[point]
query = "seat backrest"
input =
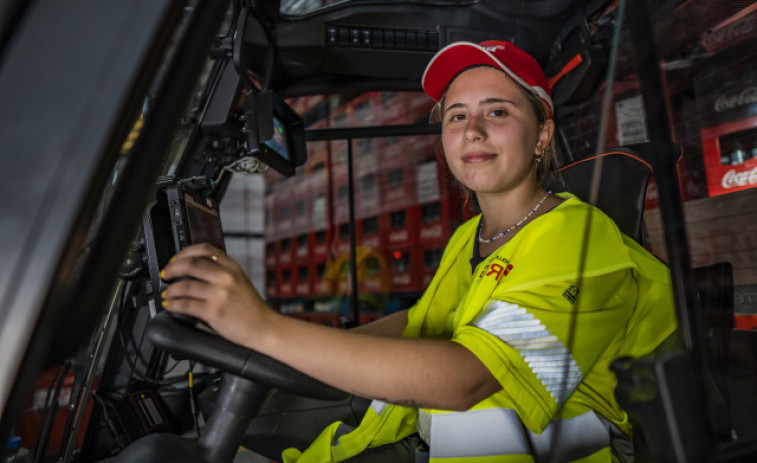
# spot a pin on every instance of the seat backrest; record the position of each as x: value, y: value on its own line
x: 622, y: 187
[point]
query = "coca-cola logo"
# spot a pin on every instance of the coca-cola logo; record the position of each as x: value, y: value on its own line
x: 734, y: 31
x: 734, y: 179
x: 746, y: 97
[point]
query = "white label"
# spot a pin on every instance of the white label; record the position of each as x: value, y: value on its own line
x: 632, y: 124
x: 428, y: 182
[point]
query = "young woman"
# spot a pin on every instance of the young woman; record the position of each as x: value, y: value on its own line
x: 516, y: 332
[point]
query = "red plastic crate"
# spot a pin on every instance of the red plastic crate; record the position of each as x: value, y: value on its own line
x: 369, y: 233
x: 320, y: 243
x: 302, y: 247
x: 400, y: 227
x: 368, y: 198
x: 439, y: 219
x: 285, y: 251
x: 367, y: 155
x: 286, y: 280
x: 307, y: 103
x: 302, y: 205
x: 338, y: 160
x: 269, y: 208
x: 271, y: 254
x: 340, y: 245
x: 362, y: 111
x: 321, y: 281
x: 392, y: 149
x: 339, y: 115
x: 319, y: 209
x: 417, y: 105
x: 302, y: 283
x: 431, y: 254
x: 283, y: 215
x: 389, y: 108
x: 397, y: 183
x: 404, y: 264
x: 272, y: 283
x: 340, y: 200
x: 745, y: 321
x: 374, y: 271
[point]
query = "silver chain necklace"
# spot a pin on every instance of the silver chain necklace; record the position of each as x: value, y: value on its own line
x: 512, y: 227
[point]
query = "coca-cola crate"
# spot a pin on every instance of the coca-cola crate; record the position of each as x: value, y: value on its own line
x: 400, y: 227
x: 307, y: 103
x: 439, y: 219
x: 321, y: 279
x: 397, y: 184
x: 362, y: 111
x: 285, y: 250
x: 389, y: 108
x: 745, y: 321
x: 368, y: 199
x: 367, y: 155
x: 271, y: 253
x: 283, y: 215
x: 286, y: 280
x: 417, y: 106
x: 271, y: 283
x: 302, y: 282
x: 431, y: 257
x: 374, y: 272
x: 405, y: 267
x: 294, y: 103
x: 302, y: 248
x: 433, y: 182
x: 728, y: 156
x: 421, y: 148
x: 320, y: 243
x: 340, y: 201
x: 369, y: 233
x: 392, y: 149
x: 339, y: 115
x: 302, y: 205
x: 318, y: 154
x: 340, y: 246
x: 270, y: 225
x: 338, y: 160
x: 319, y: 209
x: 318, y: 151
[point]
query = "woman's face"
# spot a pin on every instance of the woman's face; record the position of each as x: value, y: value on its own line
x: 490, y: 133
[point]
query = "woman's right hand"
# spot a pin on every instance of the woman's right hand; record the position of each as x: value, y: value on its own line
x: 218, y: 292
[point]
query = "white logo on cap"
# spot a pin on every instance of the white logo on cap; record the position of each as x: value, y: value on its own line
x: 493, y: 48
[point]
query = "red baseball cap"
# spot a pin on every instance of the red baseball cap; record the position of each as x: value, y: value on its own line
x: 458, y: 56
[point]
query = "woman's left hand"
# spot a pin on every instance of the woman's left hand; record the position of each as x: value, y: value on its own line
x: 218, y: 293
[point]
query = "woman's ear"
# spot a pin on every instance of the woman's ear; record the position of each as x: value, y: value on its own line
x: 546, y: 132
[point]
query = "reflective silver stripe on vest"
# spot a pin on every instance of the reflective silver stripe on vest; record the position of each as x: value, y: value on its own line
x: 477, y: 433
x: 378, y: 406
x: 542, y: 351
x: 499, y: 431
x: 580, y: 437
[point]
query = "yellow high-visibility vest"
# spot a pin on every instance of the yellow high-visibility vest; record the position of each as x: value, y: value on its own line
x: 514, y: 313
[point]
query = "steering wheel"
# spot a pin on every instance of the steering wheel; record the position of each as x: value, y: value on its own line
x: 186, y: 340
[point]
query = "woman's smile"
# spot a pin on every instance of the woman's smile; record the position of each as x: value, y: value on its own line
x: 477, y: 157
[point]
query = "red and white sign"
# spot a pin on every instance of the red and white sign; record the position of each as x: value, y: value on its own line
x: 723, y: 177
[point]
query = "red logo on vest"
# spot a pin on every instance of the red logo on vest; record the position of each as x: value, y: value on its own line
x: 497, y: 270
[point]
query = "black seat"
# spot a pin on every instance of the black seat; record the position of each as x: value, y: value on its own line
x: 623, y: 179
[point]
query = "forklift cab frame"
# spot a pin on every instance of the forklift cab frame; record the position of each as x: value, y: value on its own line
x: 74, y: 88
